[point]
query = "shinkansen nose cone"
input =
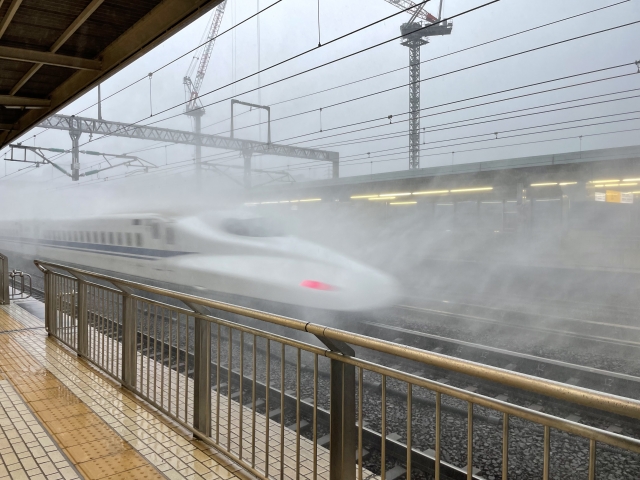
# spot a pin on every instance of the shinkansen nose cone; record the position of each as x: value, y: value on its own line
x: 295, y: 281
x: 252, y: 258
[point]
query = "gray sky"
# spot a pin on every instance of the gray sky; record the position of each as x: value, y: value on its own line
x: 291, y: 27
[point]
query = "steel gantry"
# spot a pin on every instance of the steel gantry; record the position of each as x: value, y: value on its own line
x: 93, y: 126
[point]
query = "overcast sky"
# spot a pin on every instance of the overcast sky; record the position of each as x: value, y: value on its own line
x: 290, y: 27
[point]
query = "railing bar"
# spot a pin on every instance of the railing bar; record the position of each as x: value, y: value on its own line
x: 592, y: 459
x: 360, y: 421
x: 470, y: 441
x: 547, y: 445
x: 505, y: 446
x: 383, y: 426
x: 102, y: 324
x: 169, y: 369
x: 268, y: 406
x: 409, y: 422
x: 186, y: 367
x: 229, y: 362
x: 218, y: 387
x: 114, y: 319
x: 162, y: 372
x: 178, y: 366
x: 155, y: 357
x: 253, y: 405
x: 240, y: 397
x: 148, y: 347
x: 315, y: 416
x: 298, y: 414
x: 282, y: 408
x: 438, y: 432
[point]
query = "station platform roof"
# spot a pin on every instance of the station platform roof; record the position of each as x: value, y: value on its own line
x: 585, y: 166
x: 53, y: 52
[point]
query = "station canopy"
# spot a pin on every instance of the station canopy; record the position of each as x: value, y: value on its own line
x: 53, y: 51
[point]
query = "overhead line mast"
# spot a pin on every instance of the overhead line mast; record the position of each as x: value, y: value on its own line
x: 414, y: 35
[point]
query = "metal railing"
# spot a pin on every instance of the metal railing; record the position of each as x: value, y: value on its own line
x: 20, y: 283
x: 4, y: 280
x: 186, y: 361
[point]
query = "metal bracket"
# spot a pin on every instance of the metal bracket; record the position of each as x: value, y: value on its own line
x: 337, y: 346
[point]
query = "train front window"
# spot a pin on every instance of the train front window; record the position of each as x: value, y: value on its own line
x: 253, y: 227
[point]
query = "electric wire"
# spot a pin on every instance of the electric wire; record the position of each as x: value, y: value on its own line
x: 423, y: 61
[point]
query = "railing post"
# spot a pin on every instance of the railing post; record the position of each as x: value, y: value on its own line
x: 343, y: 422
x: 4, y: 280
x: 129, y: 342
x: 83, y: 327
x: 202, y: 377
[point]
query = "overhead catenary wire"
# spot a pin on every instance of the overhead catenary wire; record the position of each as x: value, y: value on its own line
x: 317, y: 92
x: 137, y: 123
x: 577, y: 37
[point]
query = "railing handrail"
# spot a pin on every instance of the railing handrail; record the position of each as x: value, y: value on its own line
x: 598, y: 400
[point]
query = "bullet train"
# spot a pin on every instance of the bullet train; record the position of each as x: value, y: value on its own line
x: 234, y: 253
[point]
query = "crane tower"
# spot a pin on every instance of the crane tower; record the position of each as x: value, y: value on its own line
x: 414, y: 35
x: 200, y: 61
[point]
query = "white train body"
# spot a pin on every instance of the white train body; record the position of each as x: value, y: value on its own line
x: 224, y: 252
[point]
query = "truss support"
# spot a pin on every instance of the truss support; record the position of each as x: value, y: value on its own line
x: 75, y: 133
x: 247, y: 168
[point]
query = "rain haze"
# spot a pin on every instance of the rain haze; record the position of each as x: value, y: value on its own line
x: 504, y: 229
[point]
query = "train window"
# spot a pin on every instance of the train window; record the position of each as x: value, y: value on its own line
x: 95, y: 237
x: 171, y: 236
x: 155, y: 231
x: 119, y: 238
x: 103, y: 237
x: 75, y: 237
x: 138, y: 240
x: 129, y: 239
x: 253, y: 227
x: 111, y: 239
x: 136, y: 222
x: 88, y: 236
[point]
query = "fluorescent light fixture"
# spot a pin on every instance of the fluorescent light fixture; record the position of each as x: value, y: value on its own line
x: 251, y: 203
x: 480, y: 189
x: 363, y: 196
x: 403, y: 203
x: 404, y: 194
x: 548, y: 200
x: 611, y: 184
x: 444, y: 204
x: 266, y: 203
x: 568, y: 183
x: 598, y: 186
x: 430, y: 192
x: 382, y: 198
x: 628, y: 184
x: 605, y: 181
x: 490, y: 202
x: 284, y: 201
x: 542, y: 184
x: 631, y: 180
x: 294, y: 201
x: 311, y: 200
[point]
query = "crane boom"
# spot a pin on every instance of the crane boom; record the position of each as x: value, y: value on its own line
x: 423, y: 14
x: 201, y: 59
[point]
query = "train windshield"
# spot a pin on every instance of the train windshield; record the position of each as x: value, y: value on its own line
x: 253, y: 227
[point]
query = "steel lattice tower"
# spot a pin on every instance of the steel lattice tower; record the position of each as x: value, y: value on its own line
x: 414, y: 35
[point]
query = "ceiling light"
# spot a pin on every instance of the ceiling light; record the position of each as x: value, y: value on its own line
x: 481, y: 189
x: 542, y: 184
x: 430, y: 192
x: 402, y: 203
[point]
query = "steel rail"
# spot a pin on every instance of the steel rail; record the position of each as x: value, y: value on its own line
x: 581, y: 396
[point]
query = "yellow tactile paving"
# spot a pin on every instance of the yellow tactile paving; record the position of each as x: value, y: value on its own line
x: 26, y: 450
x: 64, y: 415
x: 165, y: 445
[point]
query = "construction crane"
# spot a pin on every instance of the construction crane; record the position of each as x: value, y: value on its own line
x: 198, y: 65
x: 414, y: 35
